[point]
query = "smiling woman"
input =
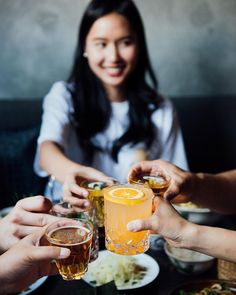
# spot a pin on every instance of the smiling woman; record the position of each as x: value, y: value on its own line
x: 107, y: 115
x: 112, y: 52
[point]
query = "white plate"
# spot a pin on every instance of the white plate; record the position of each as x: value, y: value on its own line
x: 34, y: 286
x: 142, y: 259
x: 198, y: 215
x: 192, y: 209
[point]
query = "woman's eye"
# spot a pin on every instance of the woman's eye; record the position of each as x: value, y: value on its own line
x: 100, y: 44
x: 126, y: 42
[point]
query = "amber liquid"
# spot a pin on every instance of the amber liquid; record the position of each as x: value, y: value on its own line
x: 98, y: 203
x: 78, y: 239
x: 158, y: 184
x: 63, y: 210
x: 96, y: 196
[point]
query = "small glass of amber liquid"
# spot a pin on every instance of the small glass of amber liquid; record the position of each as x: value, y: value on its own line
x: 96, y: 196
x: 159, y: 183
x: 64, y: 209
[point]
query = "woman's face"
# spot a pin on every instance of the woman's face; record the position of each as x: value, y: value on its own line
x: 112, y: 50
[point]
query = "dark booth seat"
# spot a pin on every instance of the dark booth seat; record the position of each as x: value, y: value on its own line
x: 209, y: 130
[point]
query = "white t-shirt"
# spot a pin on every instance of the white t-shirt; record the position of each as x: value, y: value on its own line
x: 56, y: 126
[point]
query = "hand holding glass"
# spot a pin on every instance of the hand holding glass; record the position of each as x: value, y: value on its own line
x: 64, y: 209
x: 124, y: 203
x: 158, y: 182
x: 76, y: 235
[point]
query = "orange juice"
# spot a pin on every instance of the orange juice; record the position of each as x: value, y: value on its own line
x: 124, y: 203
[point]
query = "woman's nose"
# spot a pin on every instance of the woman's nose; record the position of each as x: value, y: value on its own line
x: 113, y: 53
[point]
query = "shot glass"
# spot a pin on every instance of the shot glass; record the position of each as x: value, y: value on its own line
x: 124, y: 203
x: 76, y: 235
x: 64, y: 209
x: 158, y: 182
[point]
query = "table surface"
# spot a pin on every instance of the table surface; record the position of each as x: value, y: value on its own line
x: 168, y: 278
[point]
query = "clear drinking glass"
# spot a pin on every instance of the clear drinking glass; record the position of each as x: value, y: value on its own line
x: 158, y: 182
x: 95, y: 190
x: 64, y: 209
x: 76, y: 235
x: 124, y: 203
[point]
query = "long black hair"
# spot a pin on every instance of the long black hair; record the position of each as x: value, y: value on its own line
x: 91, y: 106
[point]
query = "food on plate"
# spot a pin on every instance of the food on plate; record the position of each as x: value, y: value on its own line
x: 188, y: 205
x: 218, y: 288
x: 121, y: 269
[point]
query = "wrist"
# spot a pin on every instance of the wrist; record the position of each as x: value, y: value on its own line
x: 197, y: 184
x: 189, y: 235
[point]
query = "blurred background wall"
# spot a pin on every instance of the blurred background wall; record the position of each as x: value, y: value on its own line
x: 192, y: 44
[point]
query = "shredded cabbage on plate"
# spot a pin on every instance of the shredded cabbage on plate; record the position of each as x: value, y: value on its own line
x: 121, y: 269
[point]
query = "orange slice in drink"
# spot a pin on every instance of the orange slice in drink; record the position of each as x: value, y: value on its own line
x: 125, y: 195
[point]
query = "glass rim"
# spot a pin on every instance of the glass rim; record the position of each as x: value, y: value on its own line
x: 85, y: 183
x: 141, y: 176
x: 58, y: 243
x: 70, y: 209
x: 69, y: 220
x: 146, y: 190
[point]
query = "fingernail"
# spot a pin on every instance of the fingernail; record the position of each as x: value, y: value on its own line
x: 64, y: 253
x: 86, y: 204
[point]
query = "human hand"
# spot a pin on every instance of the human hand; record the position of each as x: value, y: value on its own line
x: 181, y: 183
x: 28, y: 215
x: 76, y: 195
x: 27, y: 261
x: 166, y: 221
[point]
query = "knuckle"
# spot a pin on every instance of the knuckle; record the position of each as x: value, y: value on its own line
x: 15, y: 229
x: 15, y: 217
x: 42, y: 220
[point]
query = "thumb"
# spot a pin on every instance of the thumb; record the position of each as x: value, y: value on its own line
x: 49, y: 253
x: 105, y: 178
x: 171, y: 192
x: 140, y: 224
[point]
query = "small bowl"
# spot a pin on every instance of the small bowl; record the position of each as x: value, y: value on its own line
x: 198, y: 215
x: 187, y: 261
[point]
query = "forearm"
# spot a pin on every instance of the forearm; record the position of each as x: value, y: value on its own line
x: 54, y: 161
x: 216, y: 191
x: 213, y: 241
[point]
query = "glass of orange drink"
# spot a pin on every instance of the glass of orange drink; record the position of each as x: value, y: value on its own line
x: 123, y: 203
